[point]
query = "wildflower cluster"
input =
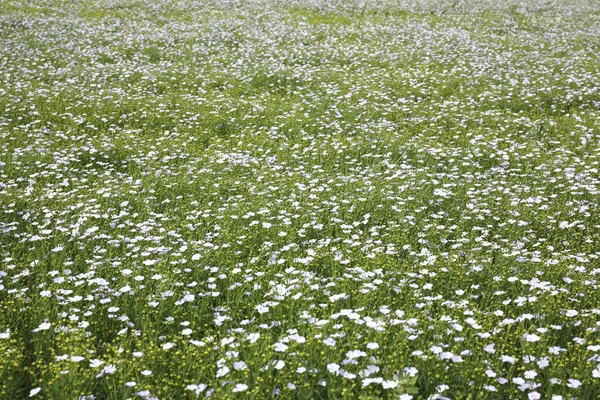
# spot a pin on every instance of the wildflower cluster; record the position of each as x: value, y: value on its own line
x: 324, y: 199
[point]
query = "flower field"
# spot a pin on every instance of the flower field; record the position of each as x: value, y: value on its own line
x: 285, y: 199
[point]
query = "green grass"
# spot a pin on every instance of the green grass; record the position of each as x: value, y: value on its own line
x: 279, y: 200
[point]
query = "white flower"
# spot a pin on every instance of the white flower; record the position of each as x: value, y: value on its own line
x: 35, y: 391
x: 297, y: 338
x: 109, y: 370
x: 530, y: 374
x: 95, y: 363
x: 579, y: 340
x: 508, y: 359
x: 226, y: 341
x: 44, y: 326
x: 518, y: 381
x: 354, y: 315
x: 279, y: 364
x: 372, y: 346
x: 281, y: 347
x: 224, y: 370
x: 347, y: 375
x: 239, y: 365
x: 543, y: 362
x: 197, y: 388
x: 186, y: 332
x: 188, y: 298
x: 389, y: 384
x: 534, y: 396
x: 253, y: 337
x: 146, y: 372
x: 442, y: 388
x: 596, y: 372
x: 125, y: 289
x: 168, y: 346
x: 442, y: 192
x: 262, y: 309
x: 368, y: 381
x: 240, y: 387
x: 531, y: 337
x: 333, y: 368
x: 571, y: 313
x: 573, y: 383
x: 352, y: 354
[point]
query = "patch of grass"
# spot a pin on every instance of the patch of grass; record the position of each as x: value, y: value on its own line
x: 343, y: 200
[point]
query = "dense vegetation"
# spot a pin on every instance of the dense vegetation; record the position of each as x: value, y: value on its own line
x: 289, y: 199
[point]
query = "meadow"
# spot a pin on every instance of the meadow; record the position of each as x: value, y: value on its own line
x: 285, y: 199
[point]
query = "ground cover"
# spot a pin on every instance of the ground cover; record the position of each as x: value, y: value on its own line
x: 288, y: 199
